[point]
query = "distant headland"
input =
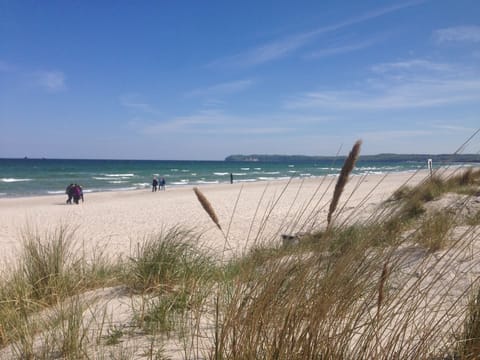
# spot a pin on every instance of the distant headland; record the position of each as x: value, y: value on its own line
x: 367, y: 158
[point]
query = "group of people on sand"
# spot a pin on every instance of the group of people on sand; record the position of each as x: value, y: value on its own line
x: 75, y: 193
x: 158, y: 184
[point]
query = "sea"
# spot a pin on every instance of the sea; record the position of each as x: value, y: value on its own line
x: 36, y: 177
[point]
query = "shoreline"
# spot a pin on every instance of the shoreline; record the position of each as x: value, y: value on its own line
x: 88, y: 192
x: 115, y: 222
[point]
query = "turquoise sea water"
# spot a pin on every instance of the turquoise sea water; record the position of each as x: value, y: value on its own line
x: 32, y: 177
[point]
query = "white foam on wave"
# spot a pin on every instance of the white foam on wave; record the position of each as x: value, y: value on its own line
x: 247, y: 180
x: 244, y: 168
x: 142, y: 185
x: 3, y: 194
x: 257, y: 168
x: 55, y: 192
x: 271, y: 172
x: 207, y: 182
x: 9, y: 180
x: 180, y: 182
x: 265, y: 178
x: 361, y: 173
x: 239, y: 174
x: 305, y: 174
x: 220, y: 173
x: 117, y: 182
x: 119, y: 175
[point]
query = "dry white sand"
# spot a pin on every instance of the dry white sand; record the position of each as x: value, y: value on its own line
x: 117, y: 221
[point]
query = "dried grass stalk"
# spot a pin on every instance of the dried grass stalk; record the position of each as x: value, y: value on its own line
x: 381, y: 294
x: 343, y: 178
x: 207, y: 206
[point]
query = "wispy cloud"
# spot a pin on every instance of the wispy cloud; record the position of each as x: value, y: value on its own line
x: 411, y: 65
x: 136, y: 103
x: 208, y: 122
x: 394, y: 134
x: 448, y: 127
x: 467, y: 33
x: 414, y: 94
x: 267, y: 52
x: 223, y: 88
x: 282, y: 47
x: 52, y: 81
x: 410, y: 90
x: 342, y: 49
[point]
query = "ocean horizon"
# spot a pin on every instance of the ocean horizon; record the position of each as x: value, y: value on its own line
x: 23, y: 177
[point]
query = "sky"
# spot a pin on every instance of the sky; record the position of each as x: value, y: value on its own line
x: 201, y: 80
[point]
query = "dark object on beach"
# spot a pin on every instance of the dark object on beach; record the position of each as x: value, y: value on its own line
x: 77, y: 193
x: 292, y: 239
x: 154, y: 184
x: 162, y: 184
x: 69, y: 192
x: 231, y: 178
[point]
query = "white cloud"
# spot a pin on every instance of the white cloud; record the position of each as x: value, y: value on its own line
x: 52, y: 81
x: 413, y: 88
x: 411, y: 65
x: 282, y: 47
x: 222, y: 89
x: 467, y: 33
x: 135, y: 102
x: 456, y: 128
x: 394, y: 134
x: 217, y: 122
x: 342, y: 49
x: 267, y: 52
x: 412, y: 94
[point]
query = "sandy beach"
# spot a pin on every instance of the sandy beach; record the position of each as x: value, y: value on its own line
x: 116, y: 221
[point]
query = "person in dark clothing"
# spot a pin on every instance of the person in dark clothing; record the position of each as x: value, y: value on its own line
x: 154, y: 184
x: 69, y: 192
x: 231, y: 178
x: 162, y: 184
x: 77, y: 193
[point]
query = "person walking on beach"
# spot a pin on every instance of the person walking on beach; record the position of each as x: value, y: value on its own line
x: 77, y: 193
x: 69, y: 192
x: 80, y: 189
x: 154, y: 184
x: 162, y: 184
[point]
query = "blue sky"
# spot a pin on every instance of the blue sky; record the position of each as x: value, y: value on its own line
x: 206, y: 79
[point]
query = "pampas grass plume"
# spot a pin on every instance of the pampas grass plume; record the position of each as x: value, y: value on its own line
x: 343, y: 178
x: 207, y: 206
